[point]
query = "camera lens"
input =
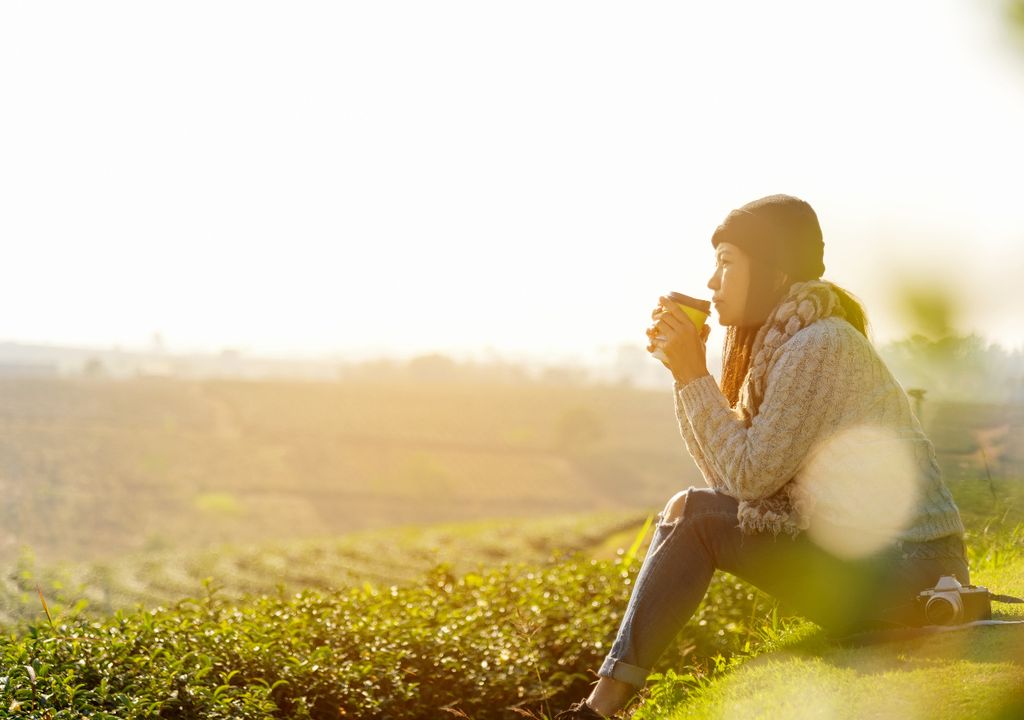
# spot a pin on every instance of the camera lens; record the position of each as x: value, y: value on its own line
x: 940, y: 611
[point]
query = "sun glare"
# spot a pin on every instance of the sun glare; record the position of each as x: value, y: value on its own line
x: 870, y: 472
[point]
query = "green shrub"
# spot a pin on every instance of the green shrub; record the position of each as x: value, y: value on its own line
x: 525, y: 636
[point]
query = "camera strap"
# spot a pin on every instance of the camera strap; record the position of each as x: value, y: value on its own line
x: 909, y: 632
x: 1004, y: 598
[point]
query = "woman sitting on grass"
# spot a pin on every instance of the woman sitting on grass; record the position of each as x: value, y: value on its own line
x: 809, y: 437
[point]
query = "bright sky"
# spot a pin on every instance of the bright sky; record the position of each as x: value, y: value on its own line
x: 526, y: 177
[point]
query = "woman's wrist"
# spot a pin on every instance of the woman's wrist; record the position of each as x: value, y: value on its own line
x: 685, y: 378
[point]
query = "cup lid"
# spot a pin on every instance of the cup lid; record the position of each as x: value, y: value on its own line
x: 702, y: 305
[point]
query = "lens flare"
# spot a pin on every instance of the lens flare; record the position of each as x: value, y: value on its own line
x: 861, y: 485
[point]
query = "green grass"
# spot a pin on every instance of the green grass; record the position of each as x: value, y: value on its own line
x: 974, y: 675
x: 970, y: 672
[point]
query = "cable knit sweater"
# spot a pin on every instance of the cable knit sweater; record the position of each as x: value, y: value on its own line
x: 822, y: 435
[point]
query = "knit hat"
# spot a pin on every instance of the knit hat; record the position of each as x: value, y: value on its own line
x: 779, y: 233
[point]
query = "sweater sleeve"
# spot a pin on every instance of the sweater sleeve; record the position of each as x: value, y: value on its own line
x: 803, y: 401
x: 693, y: 446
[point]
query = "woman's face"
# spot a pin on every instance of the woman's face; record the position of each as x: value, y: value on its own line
x: 730, y: 283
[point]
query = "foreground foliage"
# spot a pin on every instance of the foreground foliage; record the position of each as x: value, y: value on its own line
x: 481, y: 644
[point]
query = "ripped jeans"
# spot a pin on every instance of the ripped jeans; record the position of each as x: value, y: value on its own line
x: 841, y: 595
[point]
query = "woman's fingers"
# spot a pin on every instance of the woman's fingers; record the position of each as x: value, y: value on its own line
x: 670, y: 322
x: 655, y: 327
x: 670, y: 317
x: 673, y: 309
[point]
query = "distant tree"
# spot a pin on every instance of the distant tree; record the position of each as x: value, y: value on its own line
x: 562, y: 375
x: 955, y: 367
x: 495, y: 371
x: 94, y: 368
x: 377, y: 370
x: 434, y: 367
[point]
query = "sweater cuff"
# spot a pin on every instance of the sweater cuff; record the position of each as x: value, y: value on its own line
x: 700, y: 396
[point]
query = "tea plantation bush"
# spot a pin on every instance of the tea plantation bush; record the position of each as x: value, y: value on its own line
x: 519, y: 636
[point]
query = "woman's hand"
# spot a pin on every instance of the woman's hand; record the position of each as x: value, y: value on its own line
x: 684, y: 346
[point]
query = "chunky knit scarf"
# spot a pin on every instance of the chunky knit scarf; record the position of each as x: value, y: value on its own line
x: 805, y: 303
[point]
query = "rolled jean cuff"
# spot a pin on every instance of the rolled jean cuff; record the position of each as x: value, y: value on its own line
x: 624, y: 672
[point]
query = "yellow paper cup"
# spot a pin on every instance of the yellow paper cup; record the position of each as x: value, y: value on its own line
x: 697, y: 310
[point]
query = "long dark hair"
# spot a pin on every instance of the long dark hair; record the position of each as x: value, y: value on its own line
x: 739, y: 343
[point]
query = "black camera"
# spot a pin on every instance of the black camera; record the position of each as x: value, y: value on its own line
x: 950, y: 603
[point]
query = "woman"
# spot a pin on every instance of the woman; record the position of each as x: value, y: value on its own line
x: 823, y: 491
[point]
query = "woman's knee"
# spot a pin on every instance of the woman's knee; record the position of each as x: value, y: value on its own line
x: 696, y: 500
x: 674, y: 507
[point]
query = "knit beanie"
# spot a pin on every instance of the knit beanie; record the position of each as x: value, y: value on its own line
x: 779, y: 233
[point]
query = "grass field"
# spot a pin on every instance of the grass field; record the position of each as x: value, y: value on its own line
x: 970, y: 672
x: 139, y: 492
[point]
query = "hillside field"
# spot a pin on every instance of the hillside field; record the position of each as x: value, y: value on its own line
x: 95, y: 470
